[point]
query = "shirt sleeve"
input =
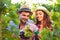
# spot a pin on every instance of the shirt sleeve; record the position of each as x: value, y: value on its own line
x: 34, y: 28
x: 11, y: 25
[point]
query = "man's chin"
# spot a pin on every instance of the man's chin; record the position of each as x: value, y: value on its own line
x: 24, y: 22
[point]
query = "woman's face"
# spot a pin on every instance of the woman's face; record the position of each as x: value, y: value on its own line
x: 39, y: 15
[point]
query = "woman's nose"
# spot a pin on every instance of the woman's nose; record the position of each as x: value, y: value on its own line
x: 37, y: 16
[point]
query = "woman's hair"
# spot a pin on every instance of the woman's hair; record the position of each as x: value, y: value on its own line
x: 46, y: 20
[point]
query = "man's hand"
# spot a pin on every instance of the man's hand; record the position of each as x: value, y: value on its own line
x: 13, y: 35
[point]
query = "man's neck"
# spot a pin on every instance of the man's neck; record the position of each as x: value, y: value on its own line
x: 22, y: 24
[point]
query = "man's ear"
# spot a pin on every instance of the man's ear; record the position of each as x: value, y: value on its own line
x: 18, y: 14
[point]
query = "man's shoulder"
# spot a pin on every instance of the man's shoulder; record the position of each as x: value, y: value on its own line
x: 30, y: 21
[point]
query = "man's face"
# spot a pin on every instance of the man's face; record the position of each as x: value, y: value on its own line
x: 24, y: 16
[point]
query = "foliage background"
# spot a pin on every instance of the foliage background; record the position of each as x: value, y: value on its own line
x: 8, y: 12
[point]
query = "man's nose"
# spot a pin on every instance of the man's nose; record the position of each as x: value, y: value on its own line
x: 26, y: 17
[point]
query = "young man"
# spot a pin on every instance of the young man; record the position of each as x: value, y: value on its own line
x: 24, y: 14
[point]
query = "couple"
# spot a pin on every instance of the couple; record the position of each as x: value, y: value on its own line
x: 42, y: 21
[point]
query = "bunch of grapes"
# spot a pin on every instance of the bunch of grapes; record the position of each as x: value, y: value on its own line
x: 28, y: 32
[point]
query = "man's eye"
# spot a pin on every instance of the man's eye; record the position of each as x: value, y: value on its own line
x: 23, y: 15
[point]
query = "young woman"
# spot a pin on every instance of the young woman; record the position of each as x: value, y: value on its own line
x: 42, y: 20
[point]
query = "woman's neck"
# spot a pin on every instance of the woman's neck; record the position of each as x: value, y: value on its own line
x: 41, y: 23
x: 41, y: 26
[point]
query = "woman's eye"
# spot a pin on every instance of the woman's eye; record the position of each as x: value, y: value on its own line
x: 40, y: 13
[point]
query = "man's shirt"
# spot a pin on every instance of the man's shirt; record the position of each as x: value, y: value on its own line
x: 15, y: 28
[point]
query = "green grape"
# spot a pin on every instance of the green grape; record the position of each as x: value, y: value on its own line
x: 27, y: 28
x: 28, y: 32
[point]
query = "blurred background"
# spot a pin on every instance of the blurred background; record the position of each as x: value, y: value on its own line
x: 8, y: 12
